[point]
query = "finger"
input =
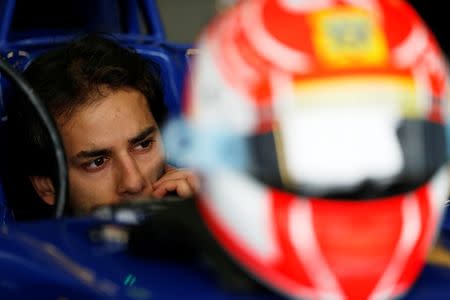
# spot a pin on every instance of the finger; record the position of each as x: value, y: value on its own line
x: 169, y: 168
x: 194, y: 182
x: 191, y: 179
x: 175, y: 174
x: 181, y: 187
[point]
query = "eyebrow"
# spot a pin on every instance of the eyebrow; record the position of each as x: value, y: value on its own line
x: 142, y: 135
x: 106, y: 152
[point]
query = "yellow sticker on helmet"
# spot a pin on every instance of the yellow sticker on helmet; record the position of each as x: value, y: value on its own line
x: 348, y: 37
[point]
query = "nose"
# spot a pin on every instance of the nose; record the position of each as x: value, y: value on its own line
x: 131, y: 181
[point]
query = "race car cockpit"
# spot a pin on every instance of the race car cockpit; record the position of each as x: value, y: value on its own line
x: 30, y: 29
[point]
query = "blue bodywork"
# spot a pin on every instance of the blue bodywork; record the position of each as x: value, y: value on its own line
x: 59, y: 258
x: 51, y: 259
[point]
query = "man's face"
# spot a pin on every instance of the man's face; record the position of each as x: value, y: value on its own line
x: 114, y: 150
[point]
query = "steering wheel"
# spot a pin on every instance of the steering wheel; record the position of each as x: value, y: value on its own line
x: 55, y: 138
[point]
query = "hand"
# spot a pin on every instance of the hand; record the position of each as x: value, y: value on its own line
x: 181, y: 181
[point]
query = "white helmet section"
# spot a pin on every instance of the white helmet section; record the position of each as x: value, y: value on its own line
x: 215, y: 103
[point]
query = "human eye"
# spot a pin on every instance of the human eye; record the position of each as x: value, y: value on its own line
x: 144, y: 145
x: 95, y: 164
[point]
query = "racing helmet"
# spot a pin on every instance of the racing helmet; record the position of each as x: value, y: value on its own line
x: 319, y: 129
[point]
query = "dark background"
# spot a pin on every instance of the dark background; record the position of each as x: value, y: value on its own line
x: 437, y: 16
x: 183, y: 20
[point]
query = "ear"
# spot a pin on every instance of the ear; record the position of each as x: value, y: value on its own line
x: 44, y: 188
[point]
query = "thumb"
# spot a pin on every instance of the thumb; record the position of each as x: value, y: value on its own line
x: 168, y: 168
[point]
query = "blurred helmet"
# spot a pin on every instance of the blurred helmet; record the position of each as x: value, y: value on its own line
x: 320, y: 130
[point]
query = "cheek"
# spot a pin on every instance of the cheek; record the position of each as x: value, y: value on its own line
x: 87, y: 193
x: 153, y: 165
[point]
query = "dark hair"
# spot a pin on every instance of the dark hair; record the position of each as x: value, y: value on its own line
x: 69, y: 77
